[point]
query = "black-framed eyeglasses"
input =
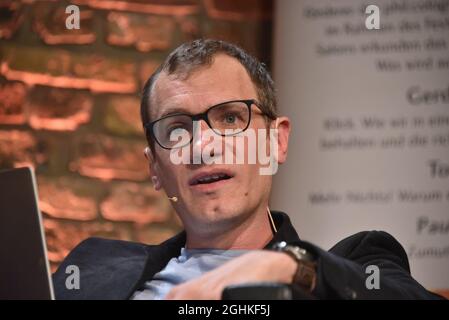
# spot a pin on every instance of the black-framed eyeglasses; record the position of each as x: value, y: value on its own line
x: 225, y: 119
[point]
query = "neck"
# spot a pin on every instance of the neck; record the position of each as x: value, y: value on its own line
x: 252, y: 233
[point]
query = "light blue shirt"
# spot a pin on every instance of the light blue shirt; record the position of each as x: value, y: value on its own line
x: 191, y: 264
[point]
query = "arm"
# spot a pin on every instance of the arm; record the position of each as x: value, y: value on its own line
x: 342, y: 272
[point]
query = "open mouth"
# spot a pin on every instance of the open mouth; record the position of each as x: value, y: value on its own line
x: 209, y: 178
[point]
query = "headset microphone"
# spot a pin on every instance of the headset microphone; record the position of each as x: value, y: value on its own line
x: 174, y: 199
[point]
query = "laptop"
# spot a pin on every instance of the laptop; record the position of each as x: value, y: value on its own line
x: 24, y: 267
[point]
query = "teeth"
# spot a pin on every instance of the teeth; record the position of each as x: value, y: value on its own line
x: 211, y: 178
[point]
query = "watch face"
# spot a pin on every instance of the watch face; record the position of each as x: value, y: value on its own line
x: 298, y: 252
x: 304, y: 255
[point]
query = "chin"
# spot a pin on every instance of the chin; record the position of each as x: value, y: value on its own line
x: 216, y: 214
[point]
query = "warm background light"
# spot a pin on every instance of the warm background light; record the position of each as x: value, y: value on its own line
x: 69, y: 104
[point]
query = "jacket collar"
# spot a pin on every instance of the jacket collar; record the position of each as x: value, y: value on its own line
x: 159, y: 255
x: 285, y: 230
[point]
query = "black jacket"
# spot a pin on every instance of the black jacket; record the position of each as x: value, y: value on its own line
x: 113, y: 269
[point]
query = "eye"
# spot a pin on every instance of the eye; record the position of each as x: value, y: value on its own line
x: 176, y: 129
x: 230, y: 118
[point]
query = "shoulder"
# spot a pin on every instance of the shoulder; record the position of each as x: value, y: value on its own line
x: 100, y: 248
x: 100, y: 251
x: 100, y: 262
x: 372, y: 245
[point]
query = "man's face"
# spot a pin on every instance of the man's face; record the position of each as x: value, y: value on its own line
x: 223, y: 203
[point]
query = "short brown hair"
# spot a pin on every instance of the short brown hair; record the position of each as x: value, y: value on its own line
x: 191, y: 55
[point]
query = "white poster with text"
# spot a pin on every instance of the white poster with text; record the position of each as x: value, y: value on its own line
x: 366, y: 85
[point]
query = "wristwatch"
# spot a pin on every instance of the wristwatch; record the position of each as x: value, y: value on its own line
x: 305, y: 275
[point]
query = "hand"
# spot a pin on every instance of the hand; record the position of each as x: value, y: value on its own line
x: 256, y: 266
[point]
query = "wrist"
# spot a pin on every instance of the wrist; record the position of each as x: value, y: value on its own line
x: 287, y: 266
x: 305, y: 271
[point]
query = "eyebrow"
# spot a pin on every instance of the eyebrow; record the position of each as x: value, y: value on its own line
x: 173, y: 110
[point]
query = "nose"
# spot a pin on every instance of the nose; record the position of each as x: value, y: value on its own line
x: 200, y: 135
x: 204, y: 138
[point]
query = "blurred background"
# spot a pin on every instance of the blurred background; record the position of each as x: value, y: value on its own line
x: 69, y: 104
x: 69, y: 107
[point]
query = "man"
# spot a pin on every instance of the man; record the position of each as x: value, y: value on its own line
x: 231, y: 237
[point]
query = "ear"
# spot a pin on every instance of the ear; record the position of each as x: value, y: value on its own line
x: 282, y: 124
x: 152, y: 168
x: 156, y: 182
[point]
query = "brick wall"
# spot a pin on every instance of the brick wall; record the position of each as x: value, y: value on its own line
x: 69, y: 104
